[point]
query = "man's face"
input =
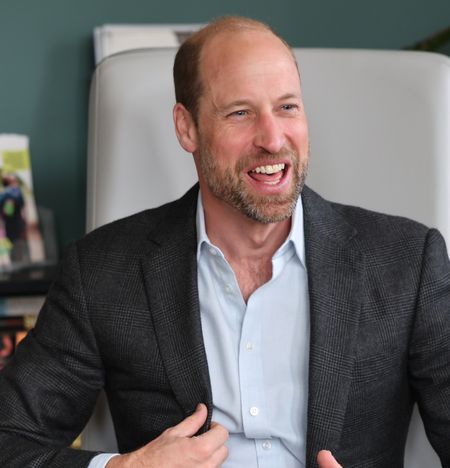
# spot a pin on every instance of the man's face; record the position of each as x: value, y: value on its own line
x: 253, y: 143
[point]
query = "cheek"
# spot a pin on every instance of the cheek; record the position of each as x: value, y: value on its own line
x: 230, y: 145
x: 299, y: 136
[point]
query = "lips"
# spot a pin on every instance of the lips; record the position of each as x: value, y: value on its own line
x: 269, y: 174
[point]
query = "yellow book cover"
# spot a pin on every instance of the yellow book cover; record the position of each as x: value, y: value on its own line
x: 21, y: 241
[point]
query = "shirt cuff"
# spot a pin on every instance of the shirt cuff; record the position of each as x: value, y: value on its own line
x: 100, y: 461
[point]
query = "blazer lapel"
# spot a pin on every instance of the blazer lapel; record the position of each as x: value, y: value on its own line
x: 335, y: 274
x: 170, y: 274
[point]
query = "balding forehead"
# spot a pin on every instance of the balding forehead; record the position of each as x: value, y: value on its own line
x: 228, y: 45
x: 227, y: 42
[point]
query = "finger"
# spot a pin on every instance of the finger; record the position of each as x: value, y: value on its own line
x: 219, y: 456
x: 191, y: 425
x: 215, y: 437
x: 326, y: 460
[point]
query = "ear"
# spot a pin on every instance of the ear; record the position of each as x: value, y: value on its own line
x: 185, y: 128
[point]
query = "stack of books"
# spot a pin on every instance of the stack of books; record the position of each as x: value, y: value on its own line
x: 27, y: 260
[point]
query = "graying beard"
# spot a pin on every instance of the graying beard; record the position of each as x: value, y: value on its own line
x: 250, y: 207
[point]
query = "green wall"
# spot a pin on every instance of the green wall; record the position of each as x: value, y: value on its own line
x: 46, y: 61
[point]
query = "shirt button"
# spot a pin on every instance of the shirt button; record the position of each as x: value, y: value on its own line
x: 228, y: 288
x: 249, y: 346
x: 267, y: 445
x: 254, y: 411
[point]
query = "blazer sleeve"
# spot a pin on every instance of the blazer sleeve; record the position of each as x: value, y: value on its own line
x: 430, y: 346
x: 48, y: 390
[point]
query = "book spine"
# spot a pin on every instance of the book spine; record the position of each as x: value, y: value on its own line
x: 20, y: 306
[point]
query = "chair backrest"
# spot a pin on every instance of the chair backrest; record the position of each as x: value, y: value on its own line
x: 379, y: 124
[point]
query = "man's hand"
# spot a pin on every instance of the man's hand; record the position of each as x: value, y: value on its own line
x: 177, y: 447
x: 326, y: 460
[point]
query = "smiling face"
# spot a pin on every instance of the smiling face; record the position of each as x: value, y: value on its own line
x: 251, y: 146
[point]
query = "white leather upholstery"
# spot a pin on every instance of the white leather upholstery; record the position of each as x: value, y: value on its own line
x: 379, y: 124
x: 134, y: 159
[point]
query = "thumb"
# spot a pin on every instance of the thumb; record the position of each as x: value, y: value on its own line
x: 326, y: 460
x: 191, y: 425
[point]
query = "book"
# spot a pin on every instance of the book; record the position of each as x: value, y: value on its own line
x: 12, y: 331
x: 21, y: 306
x: 21, y: 242
x: 7, y: 347
x: 28, y: 281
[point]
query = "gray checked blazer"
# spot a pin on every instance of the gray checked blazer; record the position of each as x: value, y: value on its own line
x: 124, y: 315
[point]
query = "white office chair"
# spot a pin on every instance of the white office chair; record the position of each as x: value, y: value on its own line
x: 379, y: 124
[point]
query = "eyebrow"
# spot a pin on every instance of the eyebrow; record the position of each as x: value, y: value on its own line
x: 248, y: 102
x: 238, y: 103
x: 290, y: 96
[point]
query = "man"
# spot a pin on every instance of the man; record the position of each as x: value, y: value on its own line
x: 284, y: 319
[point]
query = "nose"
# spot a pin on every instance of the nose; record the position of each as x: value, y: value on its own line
x: 269, y: 135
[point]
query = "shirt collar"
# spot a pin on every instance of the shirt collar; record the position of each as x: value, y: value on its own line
x: 296, y: 236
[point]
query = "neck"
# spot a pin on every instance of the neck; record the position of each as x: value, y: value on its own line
x: 239, y: 237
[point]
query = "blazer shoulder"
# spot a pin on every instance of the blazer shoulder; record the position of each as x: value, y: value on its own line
x: 369, y: 222
x: 365, y: 224
x: 129, y: 234
x: 371, y: 232
x: 389, y: 236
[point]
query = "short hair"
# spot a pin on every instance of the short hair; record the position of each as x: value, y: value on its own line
x: 186, y: 68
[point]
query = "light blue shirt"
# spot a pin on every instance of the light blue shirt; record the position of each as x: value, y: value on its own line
x: 100, y: 461
x: 258, y: 353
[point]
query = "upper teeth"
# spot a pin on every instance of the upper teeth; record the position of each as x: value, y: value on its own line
x: 269, y: 169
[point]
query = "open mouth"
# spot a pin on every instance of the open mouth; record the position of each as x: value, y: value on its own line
x: 269, y: 174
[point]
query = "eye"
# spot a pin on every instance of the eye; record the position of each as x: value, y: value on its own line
x: 238, y: 113
x: 290, y: 107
